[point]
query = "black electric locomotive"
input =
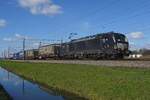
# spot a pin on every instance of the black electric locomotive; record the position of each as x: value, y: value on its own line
x: 109, y: 45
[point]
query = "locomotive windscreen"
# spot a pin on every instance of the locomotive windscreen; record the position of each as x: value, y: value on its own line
x: 121, y: 38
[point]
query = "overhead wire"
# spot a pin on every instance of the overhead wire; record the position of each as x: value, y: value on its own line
x: 129, y: 17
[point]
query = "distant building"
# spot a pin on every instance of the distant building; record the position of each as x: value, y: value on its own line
x: 135, y: 56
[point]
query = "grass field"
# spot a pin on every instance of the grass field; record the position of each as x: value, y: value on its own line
x: 3, y: 95
x: 92, y: 82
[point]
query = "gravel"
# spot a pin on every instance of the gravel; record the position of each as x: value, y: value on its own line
x: 108, y: 63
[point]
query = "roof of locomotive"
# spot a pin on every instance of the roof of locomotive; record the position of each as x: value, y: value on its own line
x: 94, y: 36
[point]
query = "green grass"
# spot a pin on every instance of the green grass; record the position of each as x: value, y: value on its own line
x: 3, y: 94
x: 92, y: 82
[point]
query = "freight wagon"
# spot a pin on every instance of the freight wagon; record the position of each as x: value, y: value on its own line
x: 49, y: 51
x: 31, y: 54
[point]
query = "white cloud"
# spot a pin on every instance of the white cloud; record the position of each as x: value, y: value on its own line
x: 20, y: 37
x: 8, y: 39
x: 2, y: 23
x: 136, y: 35
x: 44, y: 7
x: 36, y: 44
x: 147, y: 45
x: 16, y: 37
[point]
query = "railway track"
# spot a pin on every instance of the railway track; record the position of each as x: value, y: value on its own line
x: 108, y: 63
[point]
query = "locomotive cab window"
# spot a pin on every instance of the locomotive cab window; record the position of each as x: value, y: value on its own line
x: 120, y: 38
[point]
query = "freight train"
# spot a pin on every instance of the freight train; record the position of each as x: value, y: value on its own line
x: 109, y: 45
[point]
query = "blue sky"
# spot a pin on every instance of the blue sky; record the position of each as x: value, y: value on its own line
x: 56, y: 19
